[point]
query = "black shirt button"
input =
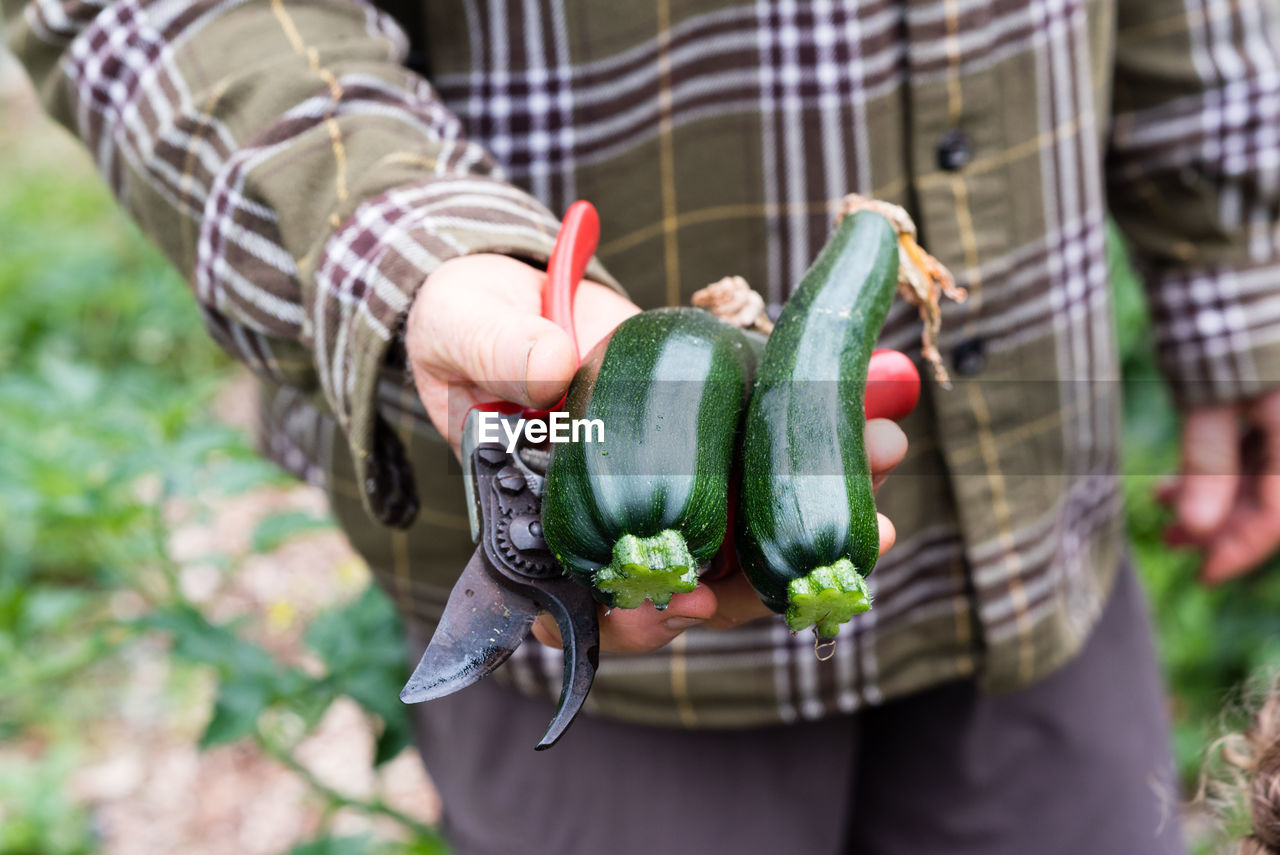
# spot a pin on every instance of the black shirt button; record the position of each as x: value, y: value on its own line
x: 955, y: 150
x: 968, y: 357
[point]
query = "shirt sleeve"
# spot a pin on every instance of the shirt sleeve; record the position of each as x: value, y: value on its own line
x: 1194, y: 183
x: 285, y: 161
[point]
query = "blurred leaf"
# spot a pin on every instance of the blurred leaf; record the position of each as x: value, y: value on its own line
x: 234, y: 477
x: 366, y: 630
x: 366, y: 845
x: 251, y: 680
x: 276, y: 528
x: 362, y: 647
x: 235, y: 712
x: 38, y: 817
x: 356, y: 845
x: 199, y: 641
x: 428, y: 846
x: 396, y: 736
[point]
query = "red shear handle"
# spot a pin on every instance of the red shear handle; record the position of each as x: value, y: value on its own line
x: 575, y: 244
x: 893, y: 386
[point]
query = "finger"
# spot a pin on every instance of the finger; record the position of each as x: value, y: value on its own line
x: 435, y: 396
x: 1166, y: 492
x: 547, y: 631
x: 645, y: 628
x: 1177, y: 536
x: 524, y: 359
x: 888, y: 534
x: 1210, y: 468
x: 447, y: 405
x: 549, y: 364
x: 597, y: 311
x: 641, y: 629
x: 1251, y: 532
x: 886, y: 446
x: 1265, y: 413
x: 737, y: 602
x: 464, y: 328
x: 1249, y: 537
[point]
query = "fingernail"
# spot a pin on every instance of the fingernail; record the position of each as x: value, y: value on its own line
x: 528, y: 363
x: 680, y: 624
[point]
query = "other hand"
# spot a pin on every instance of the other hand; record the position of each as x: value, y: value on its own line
x: 1227, y: 495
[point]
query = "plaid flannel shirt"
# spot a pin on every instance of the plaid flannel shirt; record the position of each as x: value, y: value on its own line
x: 306, y: 183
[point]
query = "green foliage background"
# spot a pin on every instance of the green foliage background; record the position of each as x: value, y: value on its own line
x: 106, y: 379
x: 1218, y: 645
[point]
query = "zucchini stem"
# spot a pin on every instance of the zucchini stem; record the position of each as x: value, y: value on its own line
x: 654, y: 568
x: 826, y: 597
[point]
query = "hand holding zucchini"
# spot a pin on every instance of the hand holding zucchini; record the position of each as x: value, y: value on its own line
x: 636, y: 515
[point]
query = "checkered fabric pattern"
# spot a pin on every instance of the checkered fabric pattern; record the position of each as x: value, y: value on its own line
x: 281, y: 156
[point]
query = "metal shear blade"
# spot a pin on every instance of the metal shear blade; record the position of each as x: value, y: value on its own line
x: 509, y: 579
x: 459, y: 653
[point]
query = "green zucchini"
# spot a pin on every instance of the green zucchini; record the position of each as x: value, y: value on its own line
x: 807, y: 531
x: 636, y: 515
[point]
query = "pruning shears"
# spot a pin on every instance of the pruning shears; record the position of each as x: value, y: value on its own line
x: 512, y: 576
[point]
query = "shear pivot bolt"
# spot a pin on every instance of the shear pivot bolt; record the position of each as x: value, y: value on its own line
x: 526, y: 533
x: 510, y: 480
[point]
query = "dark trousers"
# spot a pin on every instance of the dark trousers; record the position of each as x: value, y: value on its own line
x: 1078, y: 764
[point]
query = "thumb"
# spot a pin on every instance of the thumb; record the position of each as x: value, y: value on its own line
x: 505, y: 350
x: 1210, y: 469
x: 537, y: 369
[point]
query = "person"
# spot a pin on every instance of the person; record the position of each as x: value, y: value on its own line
x: 369, y: 241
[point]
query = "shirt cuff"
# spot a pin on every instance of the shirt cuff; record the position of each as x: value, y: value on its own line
x: 1218, y: 332
x: 366, y: 276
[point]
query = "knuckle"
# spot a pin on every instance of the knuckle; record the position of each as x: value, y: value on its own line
x: 1211, y: 457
